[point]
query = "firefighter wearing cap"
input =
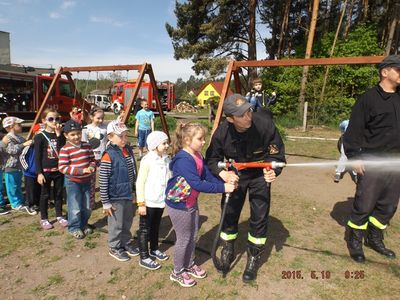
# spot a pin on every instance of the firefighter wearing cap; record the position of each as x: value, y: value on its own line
x: 246, y: 137
x: 373, y: 134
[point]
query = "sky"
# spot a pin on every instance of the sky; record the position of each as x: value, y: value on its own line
x: 53, y: 33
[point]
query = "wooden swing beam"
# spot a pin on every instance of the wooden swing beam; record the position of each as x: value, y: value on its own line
x: 234, y: 68
x: 143, y: 69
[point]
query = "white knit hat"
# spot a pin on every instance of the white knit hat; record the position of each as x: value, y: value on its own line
x: 155, y: 138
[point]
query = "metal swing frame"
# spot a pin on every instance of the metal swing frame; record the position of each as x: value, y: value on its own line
x: 143, y: 69
x: 234, y: 68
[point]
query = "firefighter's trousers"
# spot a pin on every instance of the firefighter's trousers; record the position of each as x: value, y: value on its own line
x: 376, y: 199
x: 259, y: 197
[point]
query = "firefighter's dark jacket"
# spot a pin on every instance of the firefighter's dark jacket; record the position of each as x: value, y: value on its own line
x: 261, y: 142
x: 374, y: 126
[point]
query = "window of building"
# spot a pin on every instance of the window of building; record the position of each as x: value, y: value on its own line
x: 205, y: 93
x: 212, y: 93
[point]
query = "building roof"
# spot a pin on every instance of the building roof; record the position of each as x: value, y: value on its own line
x: 217, y: 85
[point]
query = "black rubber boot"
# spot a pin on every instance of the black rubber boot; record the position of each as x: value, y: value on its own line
x: 227, y: 255
x: 354, y: 244
x: 253, y: 257
x: 143, y: 239
x: 374, y: 240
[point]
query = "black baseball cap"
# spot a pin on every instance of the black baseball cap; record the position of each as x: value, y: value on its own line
x: 72, y: 125
x: 390, y: 61
x: 236, y: 105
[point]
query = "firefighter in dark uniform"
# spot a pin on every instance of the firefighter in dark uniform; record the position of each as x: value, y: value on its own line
x: 374, y: 133
x: 246, y: 137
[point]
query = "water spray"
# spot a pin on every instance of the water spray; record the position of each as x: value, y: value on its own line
x: 384, y: 164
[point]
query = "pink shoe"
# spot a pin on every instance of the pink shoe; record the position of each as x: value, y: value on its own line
x: 62, y: 222
x: 196, y: 271
x: 182, y: 278
x: 46, y: 225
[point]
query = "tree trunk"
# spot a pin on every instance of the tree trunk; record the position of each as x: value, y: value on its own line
x: 309, y: 46
x: 392, y: 28
x: 365, y: 10
x: 252, y: 50
x: 321, y: 100
x: 285, y: 21
x: 349, y: 13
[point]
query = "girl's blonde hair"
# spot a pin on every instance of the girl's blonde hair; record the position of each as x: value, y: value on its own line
x: 47, y: 111
x: 185, y: 131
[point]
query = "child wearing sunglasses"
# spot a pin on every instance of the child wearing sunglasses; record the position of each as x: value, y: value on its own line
x: 47, y: 145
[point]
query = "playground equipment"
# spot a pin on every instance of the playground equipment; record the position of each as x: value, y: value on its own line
x: 143, y: 69
x: 235, y: 67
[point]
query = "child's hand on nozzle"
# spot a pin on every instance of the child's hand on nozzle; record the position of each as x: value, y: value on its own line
x: 229, y: 187
x: 269, y: 175
x: 273, y: 93
x: 229, y: 177
x: 142, y: 210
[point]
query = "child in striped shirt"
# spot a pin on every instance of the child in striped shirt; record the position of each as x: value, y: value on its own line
x: 117, y: 186
x: 76, y: 161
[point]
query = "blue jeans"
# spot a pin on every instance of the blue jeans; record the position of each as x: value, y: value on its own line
x: 78, y: 202
x: 142, y: 137
x: 13, y: 185
x: 2, y: 201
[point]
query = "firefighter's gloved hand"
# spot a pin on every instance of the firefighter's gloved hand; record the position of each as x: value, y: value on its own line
x: 269, y: 175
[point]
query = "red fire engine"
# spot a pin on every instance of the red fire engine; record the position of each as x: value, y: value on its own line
x: 22, y: 94
x: 122, y: 91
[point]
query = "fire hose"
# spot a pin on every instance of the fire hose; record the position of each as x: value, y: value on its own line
x: 236, y: 167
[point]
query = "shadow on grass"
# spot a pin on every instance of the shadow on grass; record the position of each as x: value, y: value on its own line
x: 276, y: 238
x: 341, y: 211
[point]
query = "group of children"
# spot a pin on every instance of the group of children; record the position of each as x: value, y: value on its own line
x: 69, y: 156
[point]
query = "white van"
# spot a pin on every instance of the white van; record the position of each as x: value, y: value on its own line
x: 101, y: 101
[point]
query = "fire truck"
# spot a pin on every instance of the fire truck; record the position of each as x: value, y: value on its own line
x: 21, y: 94
x: 122, y: 91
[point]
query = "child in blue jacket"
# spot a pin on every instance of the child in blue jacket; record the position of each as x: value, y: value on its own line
x: 190, y: 176
x: 32, y: 187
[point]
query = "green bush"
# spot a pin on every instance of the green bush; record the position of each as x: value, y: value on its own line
x: 131, y: 121
x: 281, y: 130
x: 171, y: 122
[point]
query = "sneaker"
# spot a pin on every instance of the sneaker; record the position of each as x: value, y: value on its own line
x: 88, y: 230
x: 46, y: 225
x: 182, y: 278
x: 159, y: 255
x: 4, y: 210
x: 20, y: 208
x: 149, y: 264
x: 35, y: 207
x: 78, y: 234
x: 119, y: 254
x: 196, y: 271
x: 30, y: 210
x: 131, y: 251
x: 63, y: 222
x: 337, y: 177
